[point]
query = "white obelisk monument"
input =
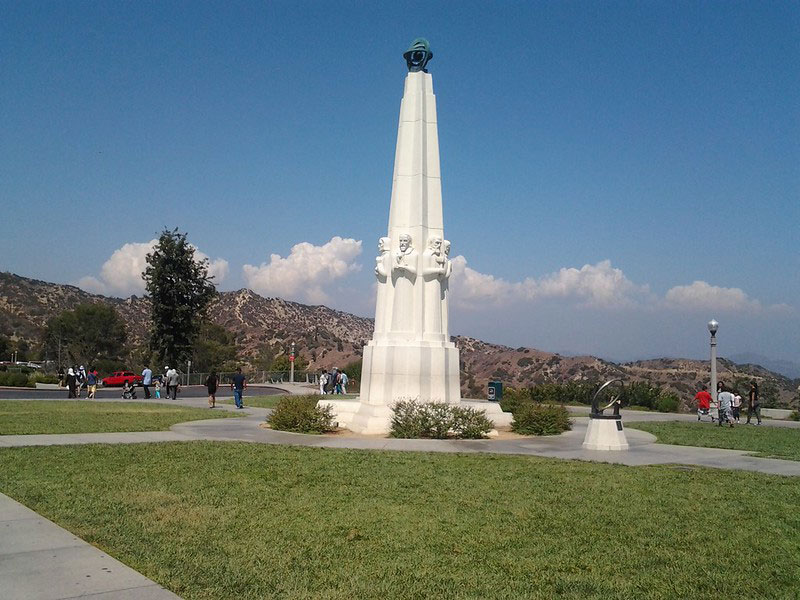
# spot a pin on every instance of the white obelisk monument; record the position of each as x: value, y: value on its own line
x: 410, y: 355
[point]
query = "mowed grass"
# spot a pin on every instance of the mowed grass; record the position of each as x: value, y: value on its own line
x: 765, y: 441
x: 245, y: 521
x: 59, y: 416
x: 259, y: 401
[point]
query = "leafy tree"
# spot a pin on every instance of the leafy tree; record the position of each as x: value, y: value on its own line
x: 214, y: 349
x: 85, y: 335
x: 266, y: 356
x: 5, y: 348
x: 353, y: 370
x: 282, y: 363
x: 180, y: 291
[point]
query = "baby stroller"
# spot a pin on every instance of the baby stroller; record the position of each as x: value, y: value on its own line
x: 128, y: 392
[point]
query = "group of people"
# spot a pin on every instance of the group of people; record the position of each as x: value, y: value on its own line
x: 78, y: 379
x: 728, y: 405
x: 334, y: 382
x: 238, y: 385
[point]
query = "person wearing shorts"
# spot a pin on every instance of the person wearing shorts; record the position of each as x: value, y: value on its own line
x: 737, y: 407
x: 725, y: 401
x: 211, y: 386
x: 703, y: 399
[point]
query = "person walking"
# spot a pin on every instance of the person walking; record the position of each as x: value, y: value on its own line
x: 211, y: 385
x: 703, y: 399
x: 343, y: 379
x: 91, y: 380
x: 147, y: 381
x: 323, y: 381
x: 71, y: 383
x: 172, y: 384
x: 158, y: 387
x: 80, y: 380
x: 238, y: 385
x: 725, y: 401
x: 753, y: 403
x: 737, y: 406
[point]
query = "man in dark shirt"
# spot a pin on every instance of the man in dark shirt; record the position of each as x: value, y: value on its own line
x: 238, y: 385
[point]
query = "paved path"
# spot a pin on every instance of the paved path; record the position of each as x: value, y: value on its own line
x: 109, y: 394
x: 643, y: 449
x: 38, y: 559
x: 41, y: 561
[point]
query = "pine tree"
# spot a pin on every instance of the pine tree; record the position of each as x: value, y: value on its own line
x: 180, y: 291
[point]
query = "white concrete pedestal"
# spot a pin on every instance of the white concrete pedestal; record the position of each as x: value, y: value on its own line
x: 370, y: 419
x: 605, y: 434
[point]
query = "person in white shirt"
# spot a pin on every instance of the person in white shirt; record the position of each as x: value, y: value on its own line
x: 725, y: 401
x: 323, y: 381
x: 737, y: 406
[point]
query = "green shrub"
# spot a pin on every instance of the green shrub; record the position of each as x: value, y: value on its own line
x: 548, y: 393
x: 667, y: 402
x: 541, y: 419
x: 438, y: 420
x: 794, y: 415
x: 15, y: 380
x: 301, y: 415
x: 37, y: 377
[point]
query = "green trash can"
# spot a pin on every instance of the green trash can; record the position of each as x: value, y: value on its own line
x: 495, y: 391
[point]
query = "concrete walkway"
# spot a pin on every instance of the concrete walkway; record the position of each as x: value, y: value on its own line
x: 41, y: 561
x: 643, y: 449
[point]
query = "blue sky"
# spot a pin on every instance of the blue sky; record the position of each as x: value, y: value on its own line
x: 610, y: 154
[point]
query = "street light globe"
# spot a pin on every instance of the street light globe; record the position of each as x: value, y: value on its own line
x: 713, y: 326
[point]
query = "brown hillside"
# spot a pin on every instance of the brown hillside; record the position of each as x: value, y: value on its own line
x: 330, y: 338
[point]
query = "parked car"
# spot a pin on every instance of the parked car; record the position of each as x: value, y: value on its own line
x: 119, y: 378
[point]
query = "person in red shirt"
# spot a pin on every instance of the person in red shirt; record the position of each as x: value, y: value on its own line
x: 703, y: 399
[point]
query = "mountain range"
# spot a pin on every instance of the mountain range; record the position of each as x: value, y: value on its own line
x: 329, y: 338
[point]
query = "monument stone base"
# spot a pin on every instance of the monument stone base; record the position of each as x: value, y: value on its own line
x: 605, y: 434
x: 368, y: 419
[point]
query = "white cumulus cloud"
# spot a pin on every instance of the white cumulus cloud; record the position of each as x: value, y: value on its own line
x: 702, y: 295
x: 307, y: 270
x: 121, y: 274
x: 599, y: 285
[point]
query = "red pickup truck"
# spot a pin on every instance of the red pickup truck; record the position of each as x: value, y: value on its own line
x: 118, y: 378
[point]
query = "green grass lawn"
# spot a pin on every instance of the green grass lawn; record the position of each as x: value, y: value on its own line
x: 245, y: 521
x: 58, y: 416
x: 773, y: 442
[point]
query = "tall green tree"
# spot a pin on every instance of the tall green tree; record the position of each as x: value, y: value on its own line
x: 85, y: 335
x: 214, y: 349
x: 180, y: 291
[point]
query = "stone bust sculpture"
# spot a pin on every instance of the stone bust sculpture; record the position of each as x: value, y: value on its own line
x: 418, y: 55
x: 435, y: 262
x: 384, y: 244
x: 405, y: 255
x: 449, y: 265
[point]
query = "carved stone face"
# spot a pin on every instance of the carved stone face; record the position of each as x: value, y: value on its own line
x: 435, y: 244
x: 383, y: 244
x: 447, y: 247
x: 405, y: 242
